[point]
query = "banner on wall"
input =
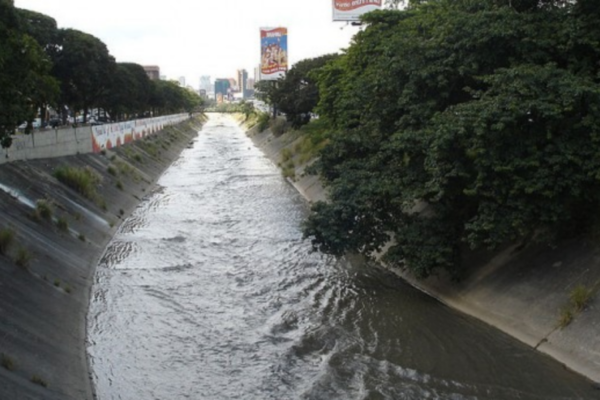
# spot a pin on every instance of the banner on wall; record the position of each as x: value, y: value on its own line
x: 351, y: 10
x: 273, y: 53
x: 113, y: 135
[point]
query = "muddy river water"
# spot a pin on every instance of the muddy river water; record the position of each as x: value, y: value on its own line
x: 208, y: 291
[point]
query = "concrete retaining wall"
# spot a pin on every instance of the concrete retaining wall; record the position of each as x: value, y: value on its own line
x: 81, y: 140
x: 48, y: 144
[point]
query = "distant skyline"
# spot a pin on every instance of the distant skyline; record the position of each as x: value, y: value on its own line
x: 193, y: 38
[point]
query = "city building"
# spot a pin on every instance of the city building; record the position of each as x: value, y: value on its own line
x: 256, y: 75
x: 181, y: 81
x: 206, y: 83
x: 233, y: 84
x: 242, y: 76
x: 222, y: 88
x: 153, y: 72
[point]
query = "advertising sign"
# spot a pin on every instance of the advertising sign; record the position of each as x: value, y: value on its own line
x: 351, y: 10
x: 273, y: 53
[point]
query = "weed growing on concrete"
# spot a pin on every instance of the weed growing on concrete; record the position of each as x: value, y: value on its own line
x: 57, y: 282
x: 263, y: 121
x: 83, y: 180
x: 113, y: 157
x: 7, y: 362
x: 103, y: 152
x: 44, y: 210
x: 68, y: 289
x: 62, y: 224
x: 39, y: 381
x: 278, y: 126
x: 7, y: 237
x: 111, y: 170
x: 137, y: 158
x: 119, y: 185
x: 81, y: 237
x: 566, y: 317
x: 23, y: 258
x: 580, y: 297
x: 286, y: 154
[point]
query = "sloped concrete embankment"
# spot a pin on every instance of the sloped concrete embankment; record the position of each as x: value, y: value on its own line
x: 525, y: 293
x: 47, y: 270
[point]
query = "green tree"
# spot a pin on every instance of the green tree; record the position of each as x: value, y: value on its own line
x: 458, y: 124
x: 24, y: 73
x: 129, y: 93
x: 85, y: 70
x: 297, y: 93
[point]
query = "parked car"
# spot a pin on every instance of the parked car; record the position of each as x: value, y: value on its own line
x: 55, y: 122
x: 36, y: 124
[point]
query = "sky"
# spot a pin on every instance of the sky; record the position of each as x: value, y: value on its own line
x: 191, y: 38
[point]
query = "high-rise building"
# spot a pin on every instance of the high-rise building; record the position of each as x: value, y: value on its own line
x: 222, y: 87
x: 250, y: 84
x: 232, y: 84
x: 256, y: 74
x: 181, y: 81
x: 242, y: 75
x: 153, y: 72
x: 206, y: 83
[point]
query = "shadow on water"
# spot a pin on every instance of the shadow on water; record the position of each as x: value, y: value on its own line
x: 208, y: 291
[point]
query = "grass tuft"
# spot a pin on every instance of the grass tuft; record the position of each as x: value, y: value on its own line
x: 23, y: 258
x: 82, y: 180
x: 565, y: 318
x: 580, y: 297
x: 39, y: 381
x: 7, y: 237
x: 62, y: 224
x: 7, y: 362
x: 112, y: 170
x: 44, y: 209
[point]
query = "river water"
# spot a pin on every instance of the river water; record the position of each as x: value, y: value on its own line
x: 208, y: 291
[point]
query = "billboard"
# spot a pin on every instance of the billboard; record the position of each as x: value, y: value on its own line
x: 273, y: 53
x: 351, y: 10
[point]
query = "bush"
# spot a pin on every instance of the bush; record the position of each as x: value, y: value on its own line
x: 263, y: 121
x: 111, y: 170
x: 7, y: 237
x: 278, y: 126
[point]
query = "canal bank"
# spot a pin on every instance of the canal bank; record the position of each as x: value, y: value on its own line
x: 526, y: 293
x: 51, y: 238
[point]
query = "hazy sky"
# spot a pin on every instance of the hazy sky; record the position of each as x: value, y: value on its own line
x: 199, y: 37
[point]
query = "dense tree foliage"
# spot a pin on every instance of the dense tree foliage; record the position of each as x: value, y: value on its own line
x: 461, y: 124
x: 71, y: 71
x: 24, y: 73
x: 129, y: 93
x: 296, y: 95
